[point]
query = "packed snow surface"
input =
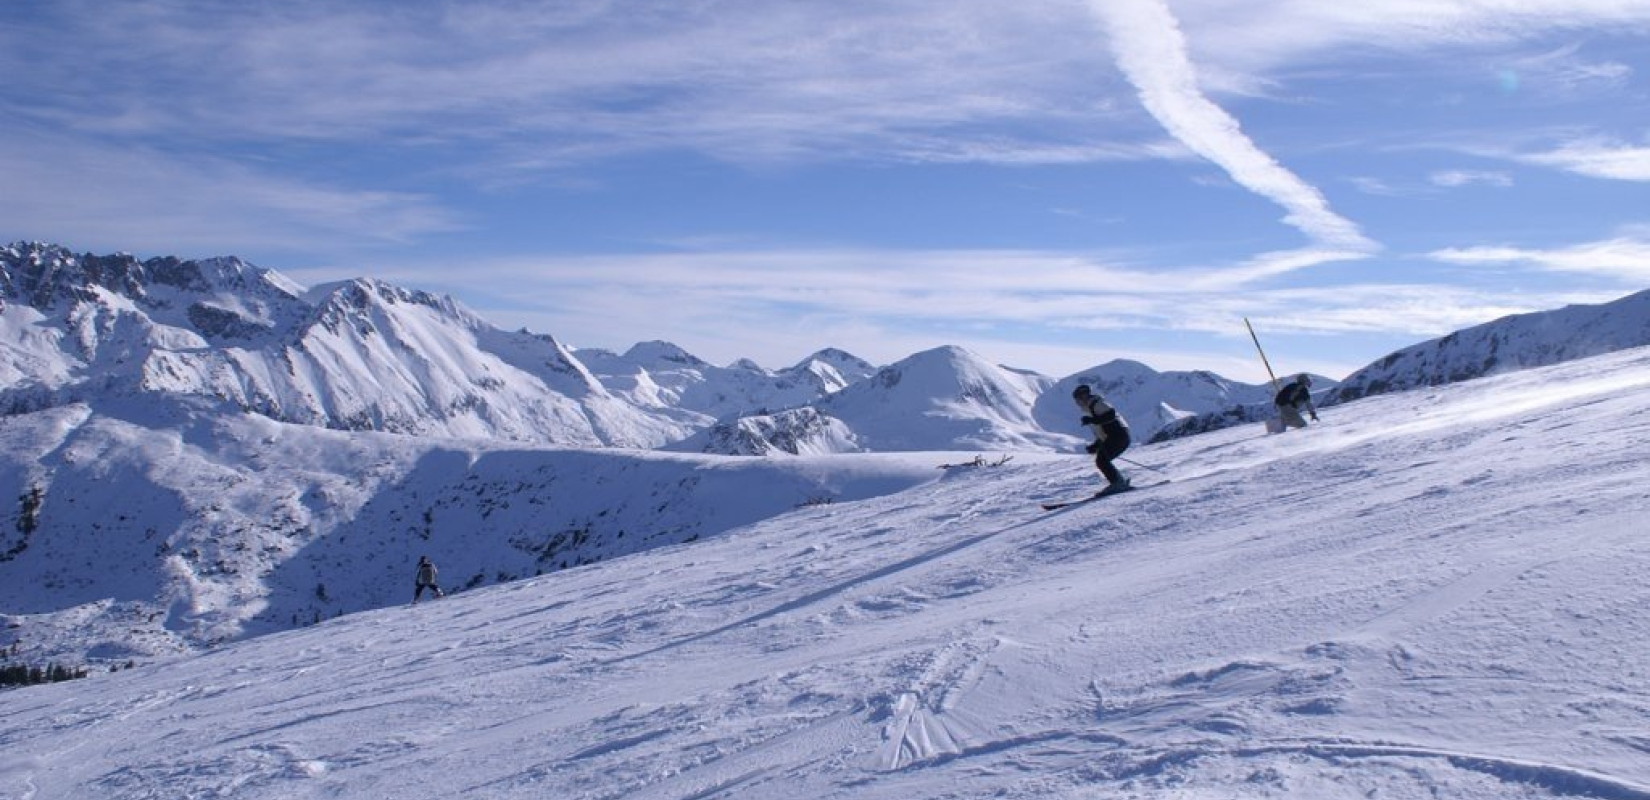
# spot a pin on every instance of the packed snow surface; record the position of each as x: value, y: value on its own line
x: 1438, y: 593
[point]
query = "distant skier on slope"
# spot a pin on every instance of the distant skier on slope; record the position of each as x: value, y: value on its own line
x: 1111, y: 436
x: 1294, y: 397
x: 425, y: 579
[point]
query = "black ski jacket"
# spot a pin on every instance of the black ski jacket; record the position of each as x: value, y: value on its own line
x: 1107, y: 422
x: 1294, y: 394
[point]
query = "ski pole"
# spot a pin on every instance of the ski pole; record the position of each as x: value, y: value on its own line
x: 1138, y: 464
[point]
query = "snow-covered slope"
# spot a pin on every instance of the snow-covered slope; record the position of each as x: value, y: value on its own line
x: 1432, y: 594
x: 129, y: 535
x: 1511, y: 343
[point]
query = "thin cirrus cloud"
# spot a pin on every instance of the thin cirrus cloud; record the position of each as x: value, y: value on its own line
x: 142, y: 198
x: 980, y: 285
x: 905, y: 289
x: 1564, y: 72
x: 527, y: 88
x: 538, y: 87
x: 1624, y: 257
x: 1259, y: 37
x: 549, y: 86
x: 1455, y: 178
x: 1597, y: 158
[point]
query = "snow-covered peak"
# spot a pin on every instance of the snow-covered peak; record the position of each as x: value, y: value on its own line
x: 945, y: 398
x: 946, y: 370
x: 663, y: 376
x: 658, y: 353
x: 748, y: 365
x: 368, y: 294
x: 832, y: 370
x: 44, y: 275
x: 1120, y: 371
x: 844, y: 362
x: 222, y: 274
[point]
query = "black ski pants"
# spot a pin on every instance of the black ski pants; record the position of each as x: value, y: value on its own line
x: 1115, y: 443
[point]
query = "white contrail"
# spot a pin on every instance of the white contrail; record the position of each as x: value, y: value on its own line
x: 1151, y: 50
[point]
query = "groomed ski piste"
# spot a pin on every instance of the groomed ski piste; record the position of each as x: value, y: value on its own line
x: 1438, y: 593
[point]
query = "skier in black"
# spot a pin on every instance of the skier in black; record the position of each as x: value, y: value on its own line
x: 1111, y: 436
x: 1292, y: 399
x: 425, y: 579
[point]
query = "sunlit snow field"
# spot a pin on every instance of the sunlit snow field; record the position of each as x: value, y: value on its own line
x: 1439, y: 593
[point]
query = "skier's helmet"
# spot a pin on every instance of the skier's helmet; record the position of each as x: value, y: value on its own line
x: 1305, y: 379
x: 1082, y: 390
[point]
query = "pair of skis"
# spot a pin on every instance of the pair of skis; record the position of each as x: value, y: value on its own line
x: 1055, y: 505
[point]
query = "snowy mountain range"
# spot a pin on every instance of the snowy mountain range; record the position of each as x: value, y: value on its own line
x: 1430, y: 595
x: 357, y: 355
x: 363, y: 355
x: 202, y: 451
x: 949, y: 395
x: 660, y: 375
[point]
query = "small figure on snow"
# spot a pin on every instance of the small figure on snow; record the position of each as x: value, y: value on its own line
x: 1292, y: 399
x: 425, y: 579
x: 1111, y: 436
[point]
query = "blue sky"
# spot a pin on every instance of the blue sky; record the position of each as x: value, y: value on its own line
x: 1050, y: 184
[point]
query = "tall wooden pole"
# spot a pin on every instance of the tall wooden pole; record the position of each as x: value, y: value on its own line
x: 1262, y: 352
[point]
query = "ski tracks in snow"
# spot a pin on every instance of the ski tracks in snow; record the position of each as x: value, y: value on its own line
x: 1279, y: 725
x: 920, y: 723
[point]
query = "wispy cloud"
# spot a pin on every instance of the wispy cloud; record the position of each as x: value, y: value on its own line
x: 1598, y: 158
x: 552, y: 84
x: 140, y: 198
x: 1456, y: 178
x: 1152, y: 52
x: 1256, y: 38
x: 1564, y: 72
x: 512, y: 87
x: 1379, y: 187
x: 1268, y: 265
x: 1625, y: 257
